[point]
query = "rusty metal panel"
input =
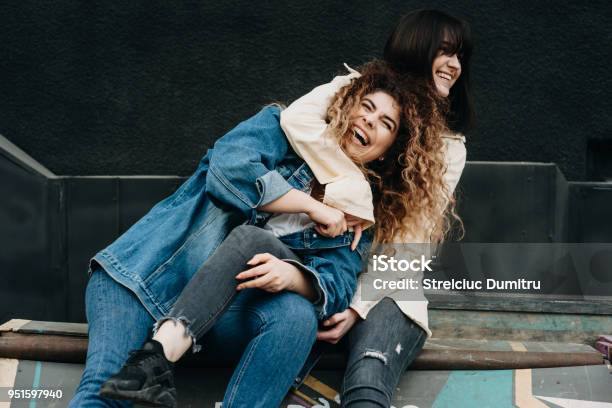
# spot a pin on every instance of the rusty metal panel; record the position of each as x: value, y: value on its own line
x: 54, y: 342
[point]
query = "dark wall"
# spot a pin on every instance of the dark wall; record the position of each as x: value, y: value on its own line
x: 120, y: 87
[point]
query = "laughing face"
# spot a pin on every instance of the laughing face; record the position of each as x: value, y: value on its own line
x: 375, y: 122
x: 446, y: 69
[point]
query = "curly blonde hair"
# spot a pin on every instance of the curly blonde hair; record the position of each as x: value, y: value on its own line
x: 410, y: 196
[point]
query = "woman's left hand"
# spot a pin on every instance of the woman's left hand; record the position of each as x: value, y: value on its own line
x: 271, y: 274
x: 338, y: 325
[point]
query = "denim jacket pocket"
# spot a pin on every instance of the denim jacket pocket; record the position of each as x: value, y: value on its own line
x: 310, y: 239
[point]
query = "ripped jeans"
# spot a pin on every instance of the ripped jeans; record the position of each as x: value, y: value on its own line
x: 212, y: 289
x: 268, y: 335
x: 277, y: 329
x: 380, y: 349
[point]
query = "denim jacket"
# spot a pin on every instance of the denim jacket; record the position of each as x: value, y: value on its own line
x: 249, y: 167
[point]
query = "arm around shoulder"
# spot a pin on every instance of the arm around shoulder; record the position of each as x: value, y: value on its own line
x: 304, y: 123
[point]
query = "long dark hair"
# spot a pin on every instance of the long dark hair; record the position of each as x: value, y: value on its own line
x: 414, y: 44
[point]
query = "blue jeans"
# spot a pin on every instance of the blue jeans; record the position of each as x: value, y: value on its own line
x: 212, y: 289
x: 380, y: 349
x: 253, y: 329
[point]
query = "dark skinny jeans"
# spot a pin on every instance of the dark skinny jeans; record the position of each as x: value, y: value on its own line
x: 276, y: 329
x: 380, y: 349
x: 213, y: 288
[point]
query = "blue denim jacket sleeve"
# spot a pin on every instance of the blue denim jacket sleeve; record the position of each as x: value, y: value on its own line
x: 241, y: 164
x: 334, y: 272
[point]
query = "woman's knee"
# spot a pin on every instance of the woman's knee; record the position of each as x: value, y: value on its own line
x: 253, y: 240
x: 292, y: 313
x: 370, y: 367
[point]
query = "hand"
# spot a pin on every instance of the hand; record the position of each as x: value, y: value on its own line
x: 338, y: 325
x: 357, y: 224
x: 271, y: 274
x: 330, y: 221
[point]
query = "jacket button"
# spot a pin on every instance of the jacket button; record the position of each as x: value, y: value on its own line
x: 314, y: 235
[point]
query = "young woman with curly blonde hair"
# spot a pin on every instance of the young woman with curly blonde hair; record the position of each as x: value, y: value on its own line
x: 296, y: 277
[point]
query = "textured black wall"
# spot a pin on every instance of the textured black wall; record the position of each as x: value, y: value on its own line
x: 120, y: 87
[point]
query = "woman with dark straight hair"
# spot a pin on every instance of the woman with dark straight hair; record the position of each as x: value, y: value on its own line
x: 416, y: 42
x: 385, y: 330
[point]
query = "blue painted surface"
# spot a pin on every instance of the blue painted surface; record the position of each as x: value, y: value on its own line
x: 36, y: 382
x: 482, y: 389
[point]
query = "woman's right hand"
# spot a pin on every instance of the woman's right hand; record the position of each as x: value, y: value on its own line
x: 337, y: 326
x: 330, y: 221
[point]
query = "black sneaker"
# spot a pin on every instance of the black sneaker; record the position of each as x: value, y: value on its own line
x: 146, y: 378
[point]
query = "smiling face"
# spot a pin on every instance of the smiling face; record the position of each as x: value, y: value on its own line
x: 446, y: 69
x: 375, y: 121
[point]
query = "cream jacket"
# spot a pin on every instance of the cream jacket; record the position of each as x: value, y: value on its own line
x: 304, y: 123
